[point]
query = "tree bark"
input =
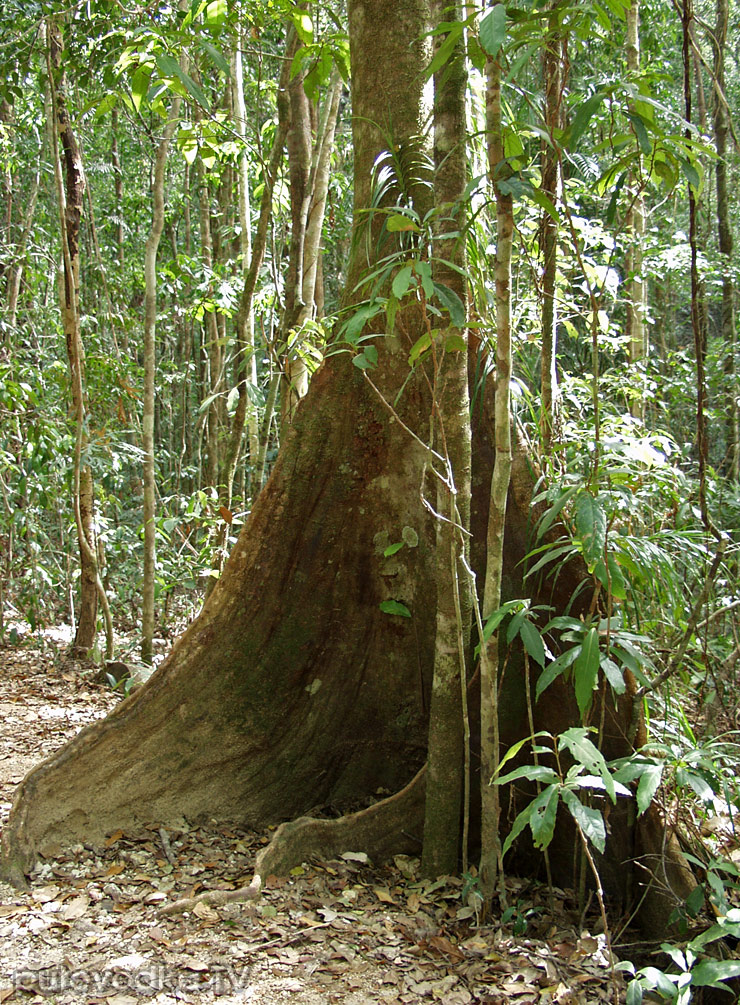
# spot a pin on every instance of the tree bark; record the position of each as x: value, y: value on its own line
x: 724, y: 233
x: 70, y: 190
x: 292, y: 689
x: 447, y: 783
x: 635, y: 229
x: 490, y: 864
x: 150, y: 370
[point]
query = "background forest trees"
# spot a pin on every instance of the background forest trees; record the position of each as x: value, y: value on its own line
x: 600, y: 139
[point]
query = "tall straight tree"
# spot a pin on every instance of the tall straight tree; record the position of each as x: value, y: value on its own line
x: 720, y: 119
x: 635, y: 229
x: 150, y: 371
x: 70, y: 183
x: 451, y: 425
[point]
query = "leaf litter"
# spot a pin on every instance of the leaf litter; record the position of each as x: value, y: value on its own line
x: 91, y: 930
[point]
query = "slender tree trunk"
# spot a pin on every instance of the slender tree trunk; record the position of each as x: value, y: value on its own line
x: 724, y: 232
x: 19, y: 255
x: 70, y: 196
x: 296, y: 109
x: 549, y: 227
x: 446, y: 779
x: 150, y: 371
x: 246, y: 368
x: 635, y: 229
x: 490, y: 820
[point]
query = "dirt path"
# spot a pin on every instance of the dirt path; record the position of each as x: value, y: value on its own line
x: 89, y: 929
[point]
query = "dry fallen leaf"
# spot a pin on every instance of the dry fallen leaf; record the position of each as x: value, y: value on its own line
x: 383, y: 895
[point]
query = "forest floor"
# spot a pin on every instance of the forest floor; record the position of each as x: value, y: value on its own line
x: 89, y: 929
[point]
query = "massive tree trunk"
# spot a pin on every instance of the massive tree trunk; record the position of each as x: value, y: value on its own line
x: 292, y: 689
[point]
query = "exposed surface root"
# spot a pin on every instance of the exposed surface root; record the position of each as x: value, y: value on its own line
x: 388, y: 827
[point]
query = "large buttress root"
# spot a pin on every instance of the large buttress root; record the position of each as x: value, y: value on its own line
x: 389, y: 827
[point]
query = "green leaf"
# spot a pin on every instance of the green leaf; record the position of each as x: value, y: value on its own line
x: 648, y: 786
x: 614, y: 675
x: 554, y: 670
x: 517, y: 827
x: 641, y: 132
x: 497, y: 616
x: 446, y: 49
x: 634, y: 993
x: 140, y: 85
x: 587, y: 670
x: 216, y: 12
x: 455, y: 343
x: 168, y: 66
x: 544, y: 812
x: 392, y: 549
x: 583, y: 116
x: 303, y: 26
x: 493, y: 30
x: 424, y: 272
x: 398, y: 223
x: 402, y: 281
x: 591, y: 527
x: 588, y: 820
x: 419, y: 347
x: 712, y: 973
x: 394, y: 607
x: 532, y: 642
x: 576, y: 741
x: 544, y: 202
x: 532, y: 772
x: 516, y: 747
x: 452, y: 304
x: 216, y: 57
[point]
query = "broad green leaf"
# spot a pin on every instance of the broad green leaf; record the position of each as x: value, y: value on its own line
x: 140, y: 85
x: 648, y: 786
x: 544, y: 202
x: 420, y: 346
x: 583, y: 116
x: 394, y: 607
x: 586, y: 669
x: 712, y: 973
x: 493, y: 29
x: 532, y: 642
x: 532, y: 772
x: 398, y: 222
x: 542, y: 819
x: 304, y: 27
x: 168, y: 66
x: 641, y: 132
x: 402, y: 281
x: 216, y: 12
x: 514, y: 625
x: 392, y: 549
x: 591, y: 527
x: 352, y: 328
x: 455, y: 343
x: 216, y: 57
x: 444, y: 52
x: 554, y: 511
x: 515, y: 748
x: 582, y: 750
x: 691, y: 173
x: 634, y: 993
x: 424, y: 272
x: 517, y: 827
x: 588, y: 820
x: 554, y: 670
x: 614, y: 675
x: 495, y: 619
x: 452, y: 304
